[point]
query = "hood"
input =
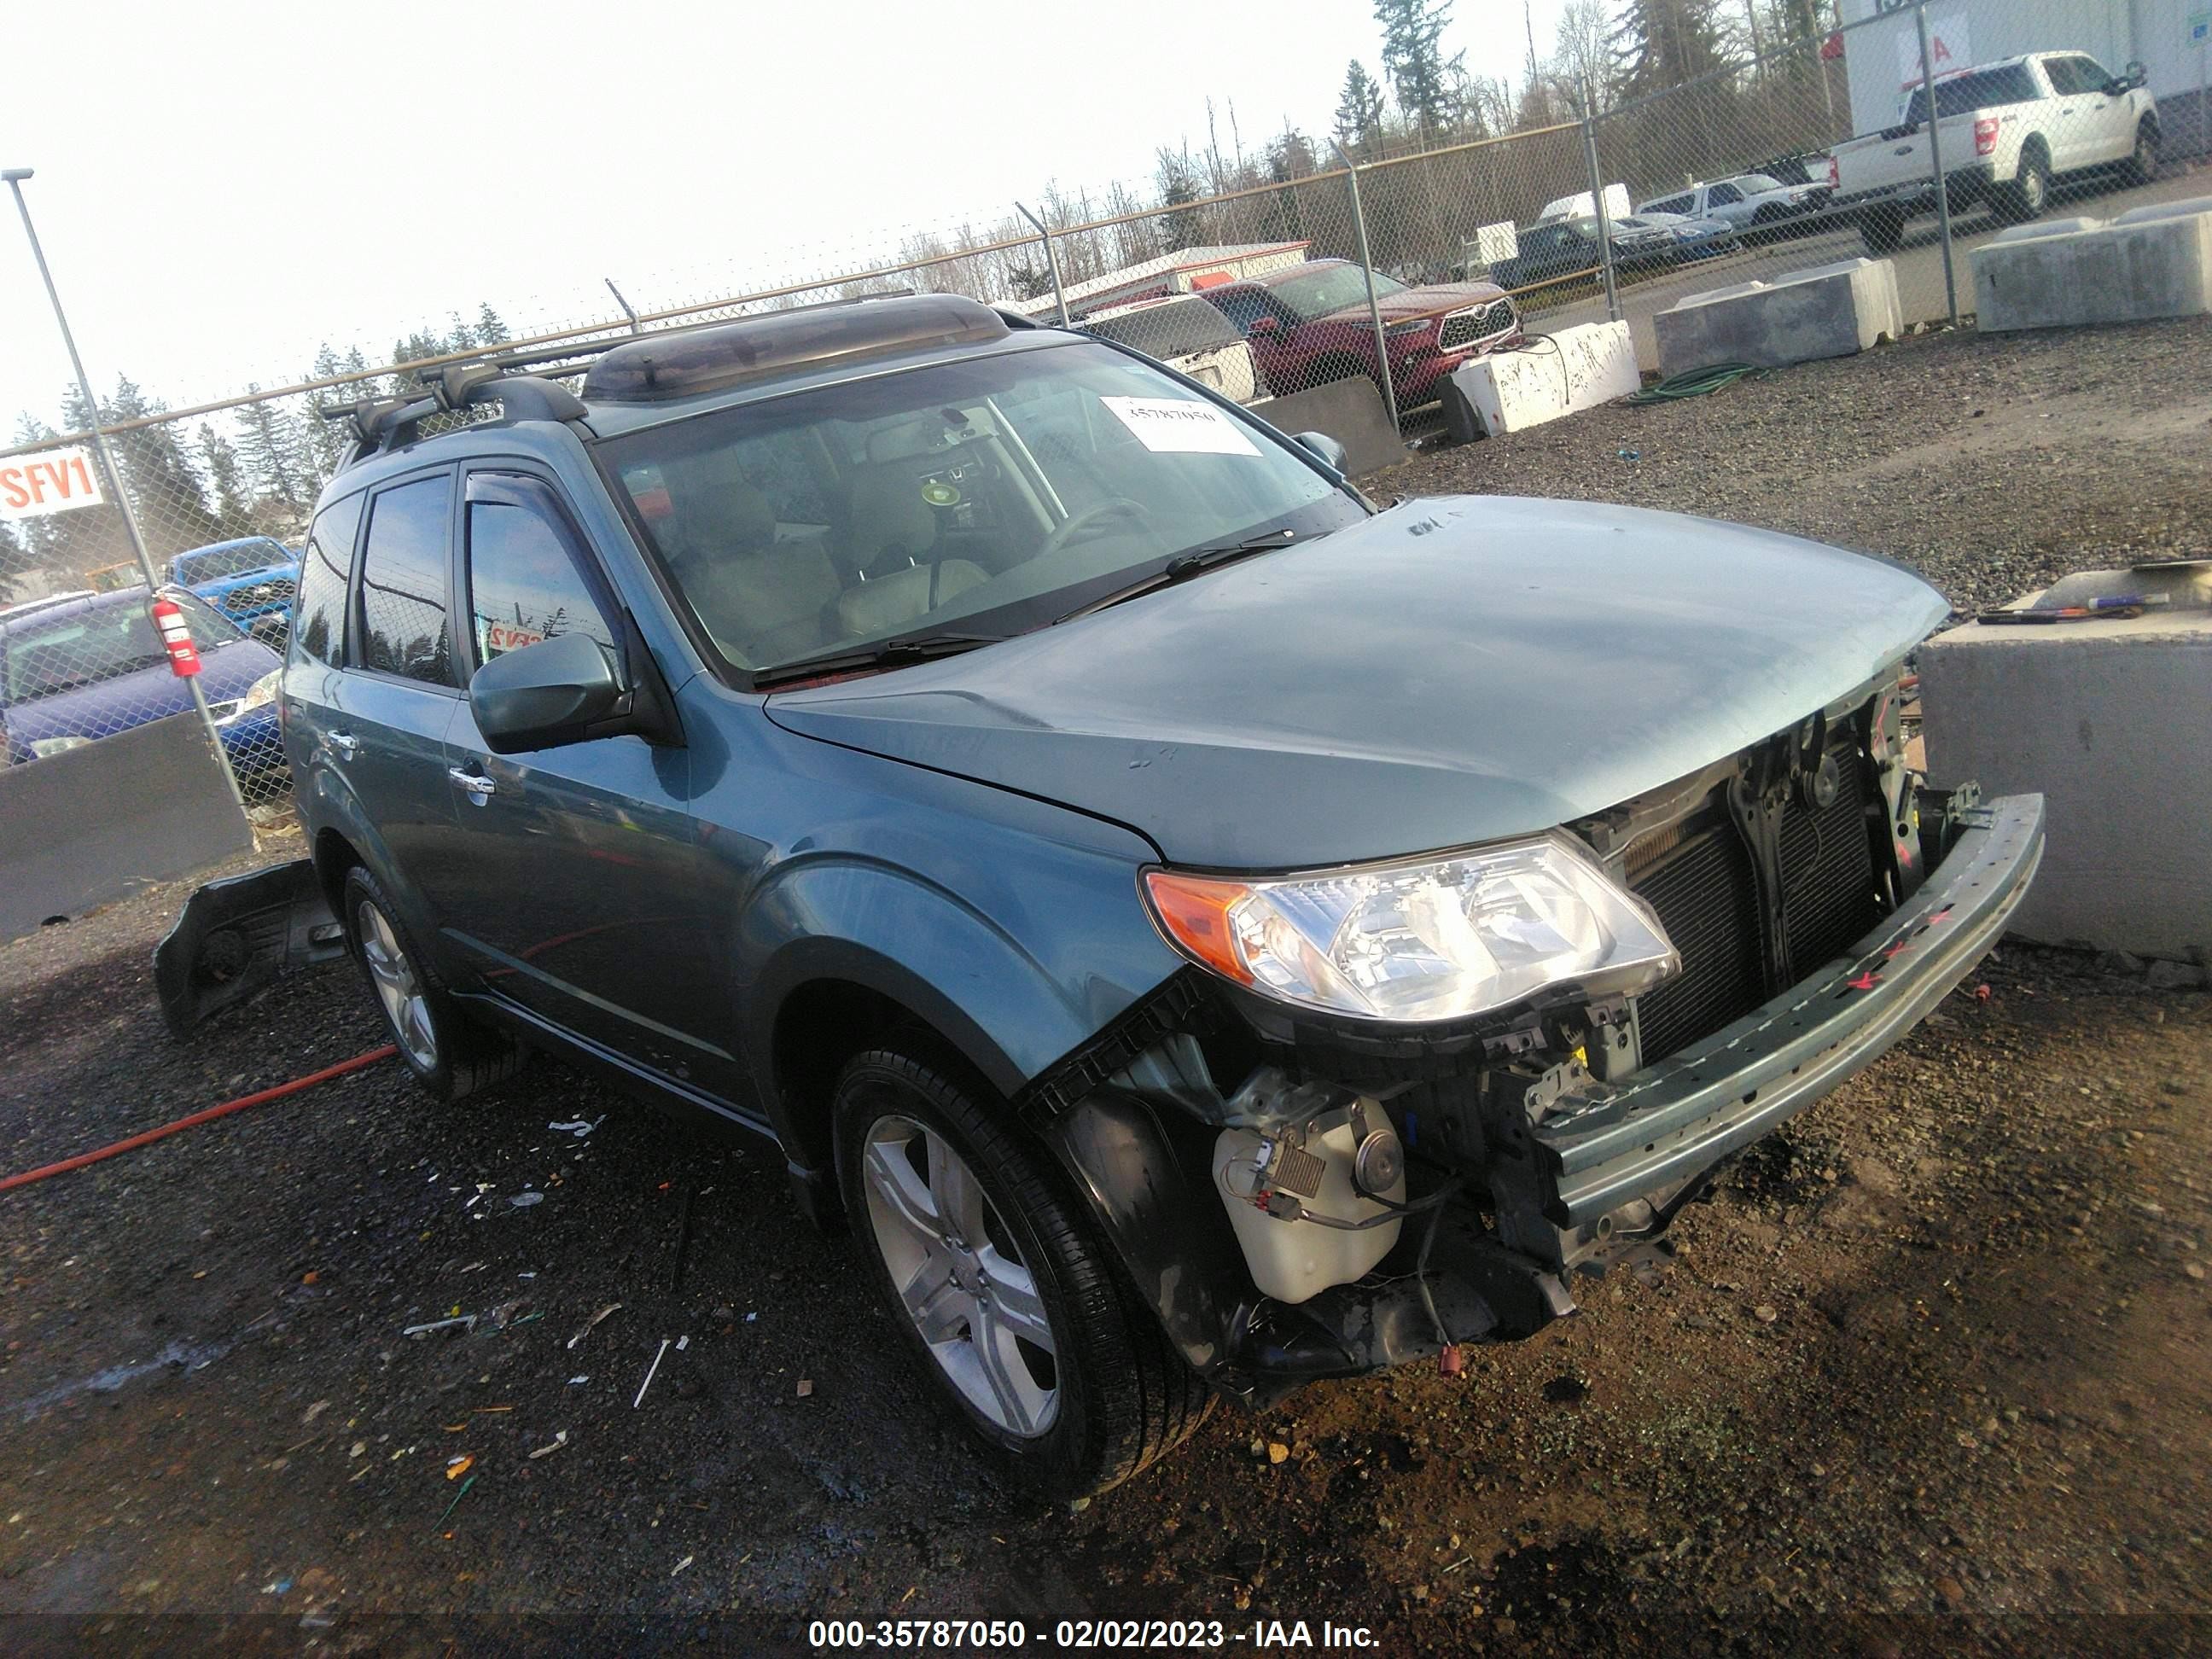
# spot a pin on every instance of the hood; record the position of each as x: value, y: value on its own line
x: 1431, y: 301
x: 143, y: 695
x: 1449, y: 671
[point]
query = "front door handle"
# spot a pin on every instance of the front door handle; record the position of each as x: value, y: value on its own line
x: 345, y: 743
x: 480, y: 787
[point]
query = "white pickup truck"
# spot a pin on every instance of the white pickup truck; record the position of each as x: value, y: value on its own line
x: 2006, y: 130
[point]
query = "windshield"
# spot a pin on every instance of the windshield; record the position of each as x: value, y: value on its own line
x: 1324, y: 288
x: 1977, y: 89
x: 986, y: 496
x: 1179, y: 328
x: 212, y: 564
x: 39, y: 658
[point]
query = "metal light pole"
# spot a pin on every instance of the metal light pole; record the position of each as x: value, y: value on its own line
x: 1051, y: 260
x: 1935, y: 162
x: 14, y: 178
x: 1597, y: 203
x: 1367, y: 269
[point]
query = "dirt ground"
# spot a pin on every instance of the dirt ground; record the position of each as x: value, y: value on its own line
x: 1934, y: 1369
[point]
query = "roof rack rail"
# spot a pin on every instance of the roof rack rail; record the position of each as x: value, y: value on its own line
x: 527, y: 382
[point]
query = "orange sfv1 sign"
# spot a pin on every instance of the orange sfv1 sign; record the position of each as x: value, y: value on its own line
x: 33, y: 486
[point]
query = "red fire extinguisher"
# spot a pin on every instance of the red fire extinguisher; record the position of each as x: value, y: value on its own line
x: 176, y: 638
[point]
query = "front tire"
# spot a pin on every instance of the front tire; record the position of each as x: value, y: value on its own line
x: 451, y: 1055
x: 1002, y: 1283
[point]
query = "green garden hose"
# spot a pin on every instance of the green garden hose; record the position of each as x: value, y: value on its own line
x: 1696, y: 383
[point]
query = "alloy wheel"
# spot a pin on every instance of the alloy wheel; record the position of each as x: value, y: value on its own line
x: 397, y: 987
x: 960, y: 1277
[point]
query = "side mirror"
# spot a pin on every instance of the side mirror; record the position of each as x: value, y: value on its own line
x: 1264, y: 326
x: 544, y: 695
x: 1324, y: 449
x: 2135, y: 75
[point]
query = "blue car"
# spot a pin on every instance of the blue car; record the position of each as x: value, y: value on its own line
x: 87, y: 666
x: 253, y: 577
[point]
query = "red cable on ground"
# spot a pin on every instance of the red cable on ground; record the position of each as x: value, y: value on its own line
x: 207, y: 1116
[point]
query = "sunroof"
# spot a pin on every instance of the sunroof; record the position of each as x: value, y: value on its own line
x: 696, y: 361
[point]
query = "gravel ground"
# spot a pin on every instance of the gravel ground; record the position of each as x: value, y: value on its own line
x: 1931, y: 1370
x: 1990, y: 464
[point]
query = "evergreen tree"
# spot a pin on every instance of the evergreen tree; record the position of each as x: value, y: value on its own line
x: 491, y: 330
x: 1659, y: 44
x: 1359, y: 109
x: 1178, y: 189
x: 269, y: 447
x: 326, y: 440
x: 15, y: 564
x: 233, y: 503
x: 1413, y: 59
x: 165, y: 485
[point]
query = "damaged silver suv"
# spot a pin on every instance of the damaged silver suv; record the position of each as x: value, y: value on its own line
x: 1200, y: 933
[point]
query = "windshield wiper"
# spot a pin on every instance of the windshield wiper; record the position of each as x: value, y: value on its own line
x: 891, y: 653
x: 1183, y: 566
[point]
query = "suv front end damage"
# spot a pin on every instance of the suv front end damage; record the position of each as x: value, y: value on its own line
x: 1819, y: 905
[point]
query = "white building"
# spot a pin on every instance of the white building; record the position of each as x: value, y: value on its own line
x: 1884, y: 59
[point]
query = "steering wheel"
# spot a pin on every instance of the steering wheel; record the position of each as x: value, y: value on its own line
x: 1091, y: 521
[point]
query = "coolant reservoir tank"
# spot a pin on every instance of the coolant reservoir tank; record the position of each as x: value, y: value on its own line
x: 1292, y: 1261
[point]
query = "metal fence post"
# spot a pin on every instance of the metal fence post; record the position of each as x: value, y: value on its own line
x: 1374, y: 303
x: 1597, y: 204
x: 1935, y: 162
x: 14, y: 178
x: 1051, y: 260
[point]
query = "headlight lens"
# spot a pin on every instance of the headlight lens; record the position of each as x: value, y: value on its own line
x: 264, y: 693
x: 1411, y: 325
x: 1424, y: 939
x: 44, y: 747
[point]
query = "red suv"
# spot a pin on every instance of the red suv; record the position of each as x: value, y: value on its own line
x: 1308, y: 324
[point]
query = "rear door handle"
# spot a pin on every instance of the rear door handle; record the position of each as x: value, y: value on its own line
x: 480, y: 787
x: 345, y: 743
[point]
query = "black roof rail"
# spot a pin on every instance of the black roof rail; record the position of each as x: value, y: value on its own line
x: 379, y: 423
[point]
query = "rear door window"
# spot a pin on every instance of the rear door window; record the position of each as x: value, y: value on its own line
x: 524, y: 585
x: 326, y: 570
x: 402, y: 621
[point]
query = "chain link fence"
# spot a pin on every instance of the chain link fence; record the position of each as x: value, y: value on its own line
x: 1305, y: 267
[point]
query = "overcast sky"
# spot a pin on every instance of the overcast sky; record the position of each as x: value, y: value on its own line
x: 222, y: 187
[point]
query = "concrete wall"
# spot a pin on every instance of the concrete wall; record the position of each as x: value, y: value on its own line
x: 1351, y: 411
x: 1569, y: 370
x: 2149, y: 263
x: 1828, y: 311
x: 80, y: 829
x: 2107, y: 721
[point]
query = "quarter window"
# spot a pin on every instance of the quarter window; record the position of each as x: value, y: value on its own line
x: 318, y: 614
x: 402, y: 583
x: 524, y: 586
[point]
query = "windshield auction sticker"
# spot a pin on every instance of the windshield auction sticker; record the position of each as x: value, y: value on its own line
x: 1178, y: 426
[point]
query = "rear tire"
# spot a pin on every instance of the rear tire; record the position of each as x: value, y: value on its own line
x: 1001, y: 1284
x: 451, y: 1055
x: 2029, y: 192
x: 2142, y: 165
x: 1882, y: 229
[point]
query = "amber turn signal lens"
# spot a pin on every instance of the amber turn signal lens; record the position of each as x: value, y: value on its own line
x: 1193, y: 913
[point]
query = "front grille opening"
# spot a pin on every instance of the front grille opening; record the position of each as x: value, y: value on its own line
x: 1698, y: 878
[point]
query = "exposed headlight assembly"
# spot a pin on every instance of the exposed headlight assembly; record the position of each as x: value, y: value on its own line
x: 262, y: 694
x: 1420, y: 940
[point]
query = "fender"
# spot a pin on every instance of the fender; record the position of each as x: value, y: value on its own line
x: 338, y: 810
x: 842, y: 916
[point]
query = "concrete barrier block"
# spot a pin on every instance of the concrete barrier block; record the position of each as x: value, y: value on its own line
x: 1351, y: 411
x: 1570, y: 369
x: 1829, y: 311
x: 2148, y: 263
x: 2039, y: 228
x: 2154, y: 210
x: 2086, y: 712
